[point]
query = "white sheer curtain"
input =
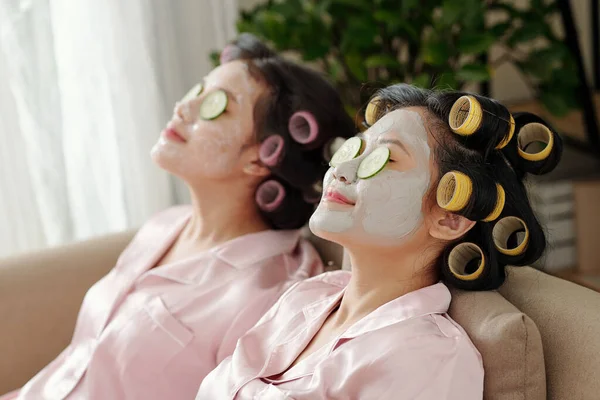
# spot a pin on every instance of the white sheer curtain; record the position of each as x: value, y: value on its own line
x: 85, y: 88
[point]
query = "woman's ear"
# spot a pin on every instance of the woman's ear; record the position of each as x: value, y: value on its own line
x: 448, y: 226
x: 252, y: 165
x: 256, y: 168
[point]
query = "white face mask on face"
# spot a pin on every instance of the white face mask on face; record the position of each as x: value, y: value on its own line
x: 387, y: 206
x: 209, y: 149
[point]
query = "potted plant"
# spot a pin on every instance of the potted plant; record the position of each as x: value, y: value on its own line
x: 430, y: 43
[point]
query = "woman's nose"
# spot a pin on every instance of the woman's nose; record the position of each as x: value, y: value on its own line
x: 183, y: 111
x: 346, y: 171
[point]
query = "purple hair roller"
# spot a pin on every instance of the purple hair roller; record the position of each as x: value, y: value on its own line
x: 303, y: 127
x: 272, y: 151
x: 270, y: 195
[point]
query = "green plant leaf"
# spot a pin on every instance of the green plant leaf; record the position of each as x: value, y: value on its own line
x: 536, y: 68
x: 509, y: 10
x: 446, y: 81
x: 526, y: 33
x: 214, y: 58
x: 386, y: 16
x: 322, y: 6
x: 552, y: 53
x: 395, y: 25
x: 288, y: 9
x: 451, y: 12
x: 500, y: 29
x: 422, y: 80
x: 334, y: 70
x: 436, y: 52
x: 475, y: 43
x: 407, y: 6
x: 271, y: 25
x: 247, y: 26
x: 381, y: 60
x: 315, y: 51
x: 355, y: 64
x: 556, y: 104
x: 473, y: 73
x: 541, y: 63
x: 359, y: 35
x: 565, y: 77
x: 356, y: 4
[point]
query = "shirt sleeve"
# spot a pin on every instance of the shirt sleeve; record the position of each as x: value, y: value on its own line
x: 429, y: 367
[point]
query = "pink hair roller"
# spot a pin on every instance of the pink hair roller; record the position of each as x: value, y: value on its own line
x: 226, y: 54
x: 312, y: 197
x: 303, y: 127
x: 270, y: 195
x: 314, y: 193
x: 272, y: 151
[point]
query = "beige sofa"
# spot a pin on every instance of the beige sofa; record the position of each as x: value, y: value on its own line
x: 539, y: 336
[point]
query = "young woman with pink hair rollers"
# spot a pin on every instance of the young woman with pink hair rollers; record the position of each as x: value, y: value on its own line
x: 251, y: 143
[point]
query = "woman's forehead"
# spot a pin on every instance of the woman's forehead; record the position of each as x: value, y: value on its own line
x: 400, y: 123
x: 236, y: 77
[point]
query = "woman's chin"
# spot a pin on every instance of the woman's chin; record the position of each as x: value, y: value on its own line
x: 321, y: 229
x: 168, y: 163
x: 158, y: 157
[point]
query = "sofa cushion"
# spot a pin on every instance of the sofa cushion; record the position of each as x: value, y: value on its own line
x: 568, y: 316
x: 41, y: 293
x: 509, y: 342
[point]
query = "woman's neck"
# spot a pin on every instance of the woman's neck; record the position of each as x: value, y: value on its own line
x: 221, y: 213
x: 380, y: 276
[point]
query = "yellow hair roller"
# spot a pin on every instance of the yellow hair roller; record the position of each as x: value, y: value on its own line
x: 499, y: 204
x: 465, y: 116
x: 502, y: 231
x: 454, y: 191
x: 372, y: 111
x: 507, y: 138
x: 460, y: 256
x: 535, y: 132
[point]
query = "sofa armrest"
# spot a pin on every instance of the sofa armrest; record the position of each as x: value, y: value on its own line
x: 40, y: 296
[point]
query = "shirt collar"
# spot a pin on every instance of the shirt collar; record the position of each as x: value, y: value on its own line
x: 254, y: 247
x: 434, y: 299
x: 339, y: 280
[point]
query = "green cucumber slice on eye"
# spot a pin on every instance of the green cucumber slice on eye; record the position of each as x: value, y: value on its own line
x: 213, y: 105
x: 193, y: 92
x: 373, y: 163
x: 349, y: 150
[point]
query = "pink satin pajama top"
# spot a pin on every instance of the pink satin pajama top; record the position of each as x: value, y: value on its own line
x: 155, y: 333
x: 406, y: 349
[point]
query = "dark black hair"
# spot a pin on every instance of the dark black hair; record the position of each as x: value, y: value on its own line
x: 484, y: 148
x: 296, y: 122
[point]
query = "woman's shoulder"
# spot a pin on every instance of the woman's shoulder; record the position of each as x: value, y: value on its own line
x: 327, y: 283
x: 338, y: 279
x: 165, y: 219
x: 171, y: 213
x: 306, y: 292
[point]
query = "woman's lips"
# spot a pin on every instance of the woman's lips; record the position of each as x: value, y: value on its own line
x: 336, y: 197
x: 171, y: 134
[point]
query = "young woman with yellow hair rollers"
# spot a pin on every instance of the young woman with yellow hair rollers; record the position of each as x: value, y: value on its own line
x: 430, y: 196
